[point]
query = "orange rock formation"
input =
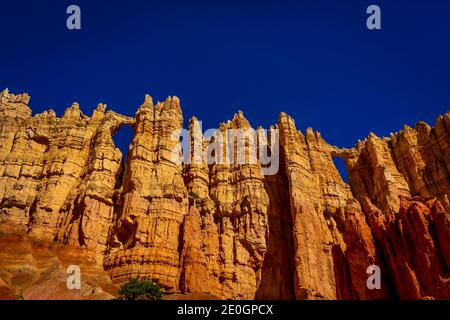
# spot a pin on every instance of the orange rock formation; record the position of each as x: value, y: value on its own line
x: 228, y: 230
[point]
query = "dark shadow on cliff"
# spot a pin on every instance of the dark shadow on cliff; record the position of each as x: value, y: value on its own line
x: 277, y: 275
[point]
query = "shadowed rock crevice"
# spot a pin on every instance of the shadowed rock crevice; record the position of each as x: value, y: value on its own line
x: 277, y: 279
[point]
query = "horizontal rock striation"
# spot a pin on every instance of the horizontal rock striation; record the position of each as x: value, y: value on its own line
x: 223, y: 228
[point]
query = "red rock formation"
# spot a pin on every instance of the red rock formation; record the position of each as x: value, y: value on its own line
x: 415, y: 248
x: 219, y: 229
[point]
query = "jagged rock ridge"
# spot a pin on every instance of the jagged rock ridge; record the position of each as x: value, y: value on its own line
x: 227, y: 229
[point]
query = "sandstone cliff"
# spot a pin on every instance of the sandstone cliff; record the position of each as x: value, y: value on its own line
x: 227, y: 229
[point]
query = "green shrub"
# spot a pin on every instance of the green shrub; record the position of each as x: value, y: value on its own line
x: 141, y: 289
x: 193, y: 195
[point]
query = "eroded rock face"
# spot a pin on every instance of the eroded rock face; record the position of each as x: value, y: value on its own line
x: 415, y: 247
x: 59, y: 175
x: 224, y: 229
x: 154, y: 200
x: 34, y: 269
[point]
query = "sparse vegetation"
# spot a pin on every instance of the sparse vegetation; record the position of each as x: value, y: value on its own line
x: 141, y: 289
x: 193, y: 195
x: 19, y: 296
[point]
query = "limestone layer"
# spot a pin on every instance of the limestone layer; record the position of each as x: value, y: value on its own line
x: 223, y: 229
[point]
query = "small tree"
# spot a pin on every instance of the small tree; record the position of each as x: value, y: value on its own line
x: 141, y: 289
x: 193, y: 195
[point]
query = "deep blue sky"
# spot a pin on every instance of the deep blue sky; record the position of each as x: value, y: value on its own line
x: 315, y: 60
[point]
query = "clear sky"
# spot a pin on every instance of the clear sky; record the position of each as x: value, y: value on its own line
x: 314, y: 59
